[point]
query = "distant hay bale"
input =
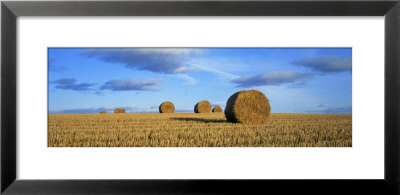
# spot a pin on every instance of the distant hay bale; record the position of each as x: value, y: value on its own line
x: 103, y: 112
x: 119, y: 110
x: 166, y: 107
x: 217, y: 109
x: 202, y: 107
x: 248, y: 107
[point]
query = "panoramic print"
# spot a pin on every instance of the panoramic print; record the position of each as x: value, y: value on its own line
x: 200, y: 97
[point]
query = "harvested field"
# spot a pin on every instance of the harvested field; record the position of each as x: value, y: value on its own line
x: 197, y: 130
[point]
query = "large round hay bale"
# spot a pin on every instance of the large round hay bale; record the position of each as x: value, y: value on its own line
x: 119, y: 110
x: 248, y: 107
x: 166, y: 107
x: 217, y: 109
x: 103, y: 112
x: 202, y: 107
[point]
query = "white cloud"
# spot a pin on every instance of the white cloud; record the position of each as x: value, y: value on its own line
x: 132, y: 85
x: 272, y: 78
x: 159, y: 60
x: 327, y: 64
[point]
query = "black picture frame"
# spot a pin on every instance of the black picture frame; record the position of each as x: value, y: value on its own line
x: 10, y: 10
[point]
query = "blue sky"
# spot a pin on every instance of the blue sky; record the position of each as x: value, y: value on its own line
x: 295, y: 80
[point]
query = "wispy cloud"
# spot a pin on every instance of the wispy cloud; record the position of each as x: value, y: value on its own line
x: 72, y: 84
x: 213, y: 70
x: 160, y: 60
x: 272, y: 78
x: 327, y: 64
x: 189, y: 80
x: 132, y: 85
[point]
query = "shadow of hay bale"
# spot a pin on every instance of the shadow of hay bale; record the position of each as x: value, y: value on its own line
x: 203, y: 120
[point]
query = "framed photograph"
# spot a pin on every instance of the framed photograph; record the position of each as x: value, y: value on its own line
x: 182, y: 97
x: 199, y: 97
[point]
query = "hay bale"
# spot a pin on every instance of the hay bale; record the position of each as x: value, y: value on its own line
x: 119, y: 110
x: 248, y: 107
x: 166, y: 107
x: 217, y: 109
x: 103, y: 112
x: 202, y: 107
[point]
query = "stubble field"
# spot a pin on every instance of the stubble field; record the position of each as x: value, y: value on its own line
x: 197, y: 130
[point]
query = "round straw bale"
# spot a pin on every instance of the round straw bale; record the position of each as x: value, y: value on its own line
x: 217, y: 109
x: 103, y: 112
x: 166, y: 107
x: 202, y: 107
x: 248, y: 107
x: 119, y: 110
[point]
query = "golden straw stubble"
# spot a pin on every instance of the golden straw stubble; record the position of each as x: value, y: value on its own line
x: 217, y: 109
x: 197, y: 130
x: 202, y: 107
x: 248, y: 107
x: 166, y: 107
